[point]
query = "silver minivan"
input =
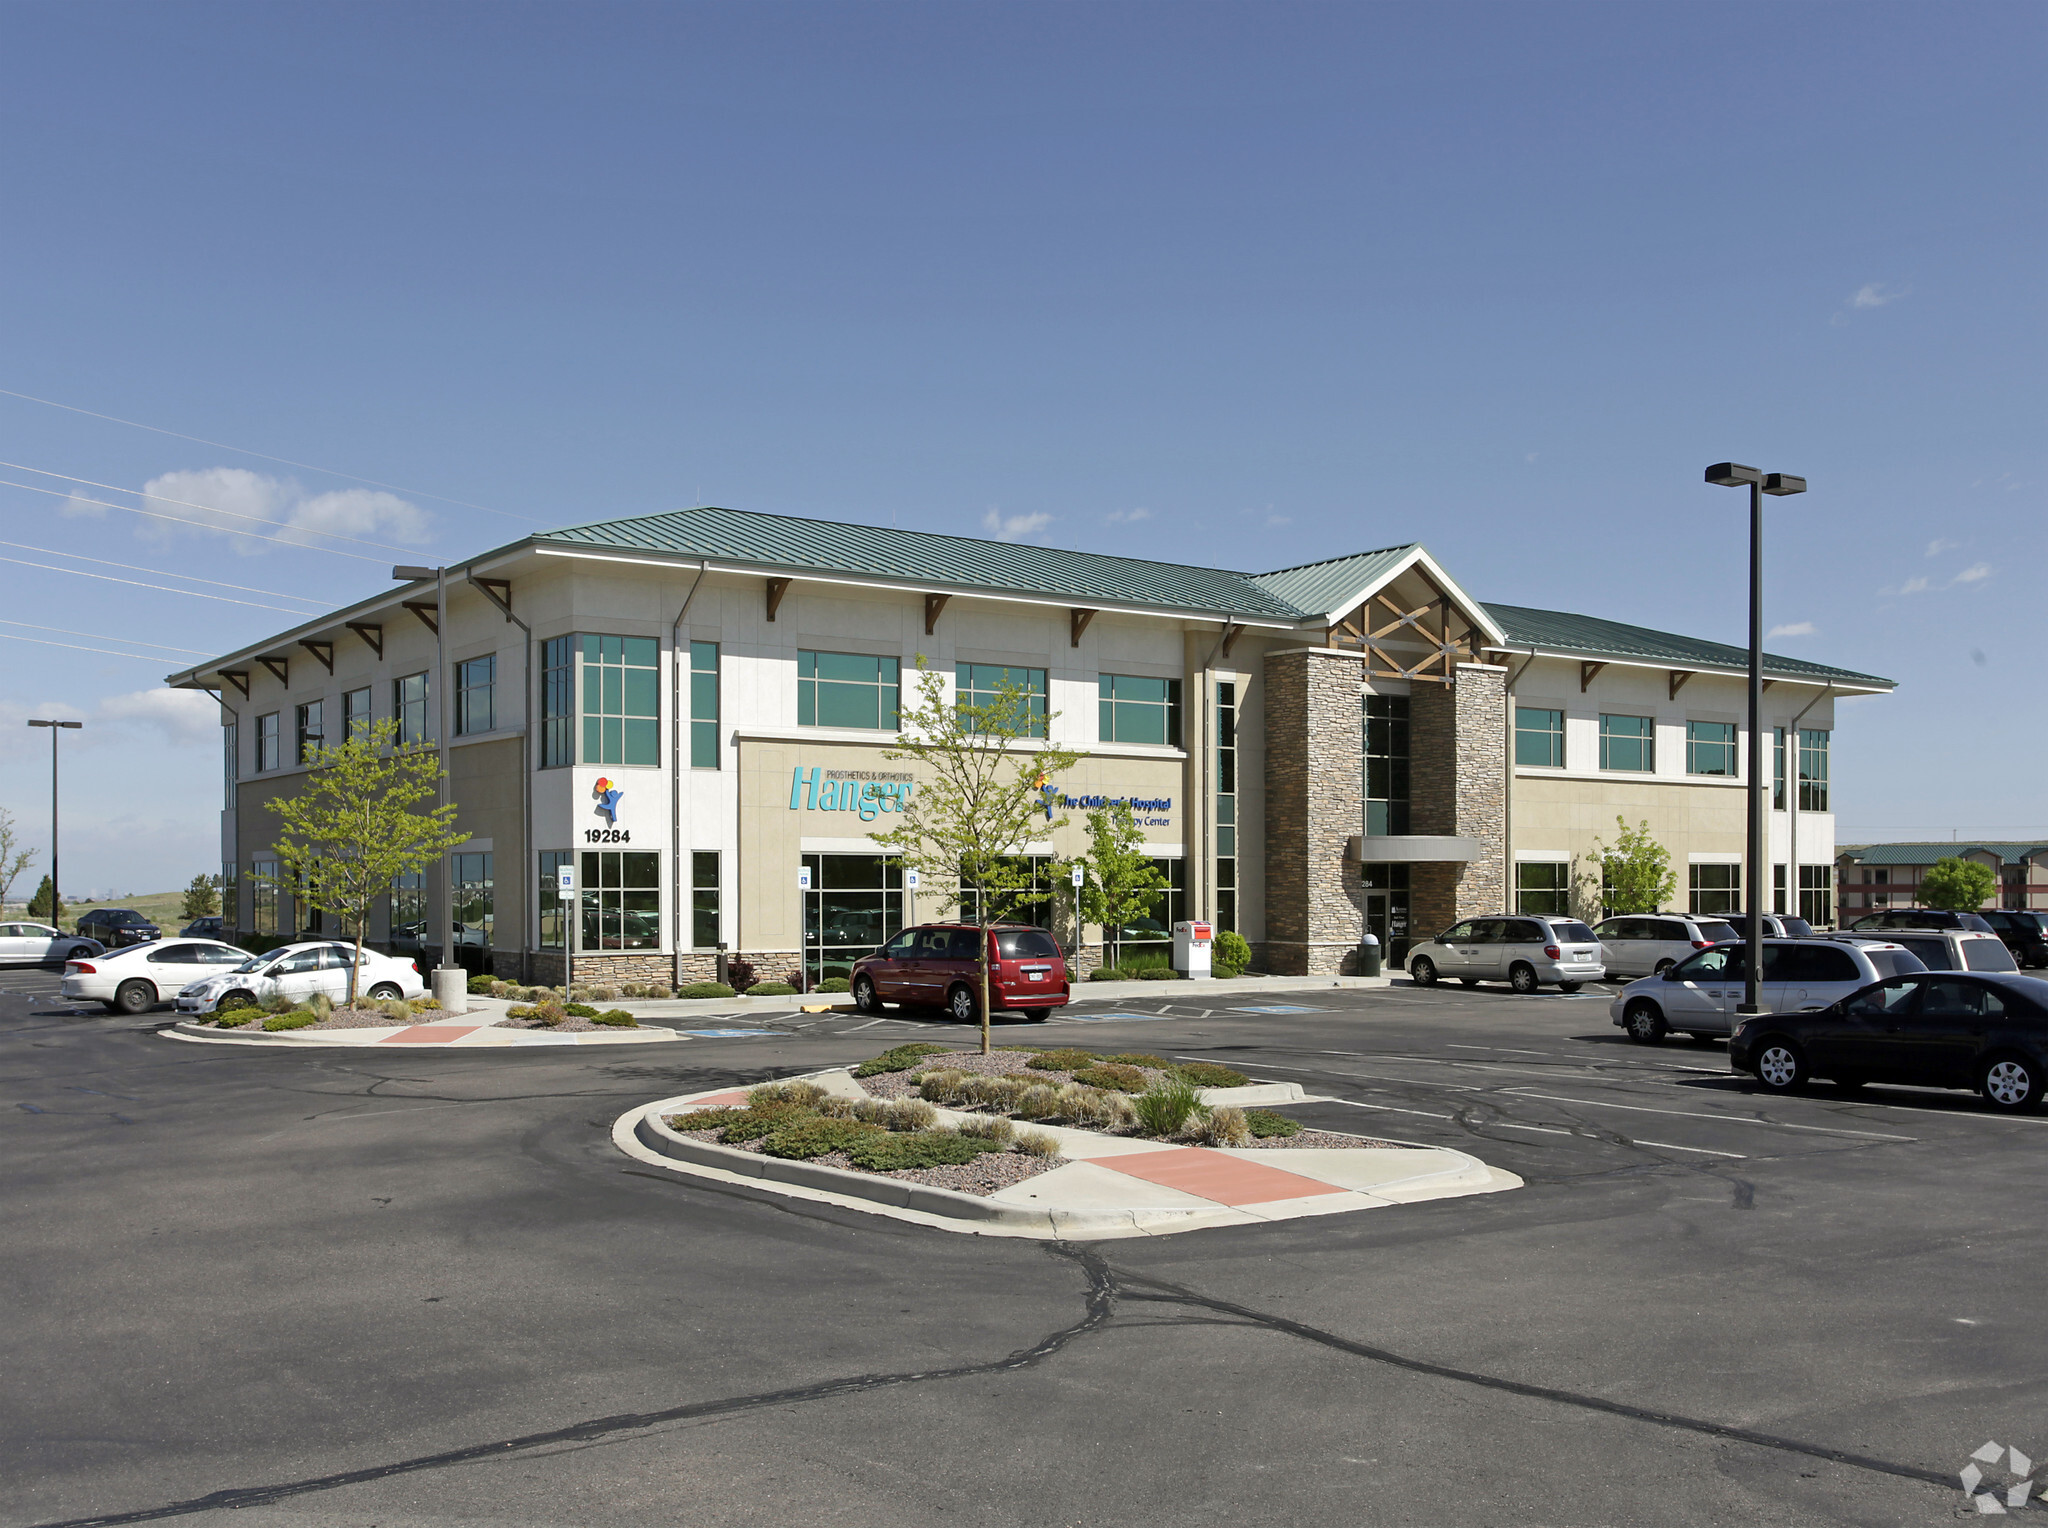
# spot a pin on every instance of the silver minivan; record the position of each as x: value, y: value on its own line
x: 1699, y: 996
x: 1644, y: 944
x: 1525, y: 952
x: 1945, y: 949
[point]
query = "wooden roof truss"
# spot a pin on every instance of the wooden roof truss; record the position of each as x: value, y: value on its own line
x: 1427, y: 642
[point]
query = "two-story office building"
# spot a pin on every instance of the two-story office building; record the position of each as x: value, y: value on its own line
x: 687, y: 709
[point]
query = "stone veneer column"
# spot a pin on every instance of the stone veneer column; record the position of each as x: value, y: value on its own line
x: 1457, y: 741
x: 1315, y: 803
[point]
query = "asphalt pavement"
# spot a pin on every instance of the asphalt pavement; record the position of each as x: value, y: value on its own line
x: 335, y: 1288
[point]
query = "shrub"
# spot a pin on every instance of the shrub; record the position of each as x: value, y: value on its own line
x: 995, y: 1128
x: 1159, y: 974
x: 900, y: 1059
x: 940, y: 1085
x: 603, y: 995
x: 1206, y: 1074
x: 1137, y: 963
x: 1093, y: 1108
x: 1065, y: 1060
x: 1124, y: 1079
x: 1041, y: 1101
x: 321, y: 1006
x: 1223, y: 1126
x: 656, y: 990
x: 579, y: 1010
x: 480, y: 986
x: 425, y: 1005
x: 296, y: 1018
x: 547, y: 1014
x: 834, y: 984
x: 910, y: 1114
x: 771, y: 989
x: 235, y: 1018
x: 927, y: 1148
x: 994, y: 1093
x: 706, y: 989
x: 706, y: 1119
x: 807, y: 1094
x: 758, y: 1120
x: 617, y: 1018
x: 740, y: 973
x: 1139, y: 1058
x: 1167, y: 1105
x: 1036, y: 1143
x: 394, y: 1008
x: 802, y: 1139
x: 1108, y: 974
x: 1264, y: 1123
x: 1230, y: 953
x: 519, y: 1011
x: 276, y: 1005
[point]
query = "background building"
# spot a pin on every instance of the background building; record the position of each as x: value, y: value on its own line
x: 1875, y: 876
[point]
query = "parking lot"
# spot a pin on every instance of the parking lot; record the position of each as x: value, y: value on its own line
x: 452, y: 1301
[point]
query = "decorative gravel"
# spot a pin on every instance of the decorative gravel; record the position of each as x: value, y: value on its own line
x: 985, y: 1175
x: 1324, y: 1140
x: 341, y: 1018
x: 575, y: 1024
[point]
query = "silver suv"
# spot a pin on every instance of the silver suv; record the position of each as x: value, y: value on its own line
x: 1699, y: 996
x: 1652, y: 942
x: 1525, y: 952
x: 1945, y: 949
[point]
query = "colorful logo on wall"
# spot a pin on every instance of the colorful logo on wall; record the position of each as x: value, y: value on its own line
x: 1043, y: 785
x: 607, y: 797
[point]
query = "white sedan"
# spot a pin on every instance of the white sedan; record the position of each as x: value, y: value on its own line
x: 296, y: 972
x: 137, y: 977
x: 39, y: 944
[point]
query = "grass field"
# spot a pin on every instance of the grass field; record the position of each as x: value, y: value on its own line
x: 160, y: 907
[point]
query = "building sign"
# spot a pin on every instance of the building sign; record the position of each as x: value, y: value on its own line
x: 864, y: 791
x: 1139, y: 805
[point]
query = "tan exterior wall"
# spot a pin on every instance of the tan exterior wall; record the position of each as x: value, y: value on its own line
x: 1569, y: 814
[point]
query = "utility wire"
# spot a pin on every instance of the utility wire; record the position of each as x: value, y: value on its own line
x: 166, y: 588
x: 22, y: 546
x: 232, y: 530
x: 131, y: 641
x: 8, y: 636
x: 263, y: 456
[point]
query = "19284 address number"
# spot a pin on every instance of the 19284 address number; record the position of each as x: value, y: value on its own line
x: 607, y: 835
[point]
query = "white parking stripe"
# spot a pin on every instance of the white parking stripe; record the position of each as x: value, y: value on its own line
x: 1351, y: 1103
x: 1721, y: 1119
x: 1703, y: 1151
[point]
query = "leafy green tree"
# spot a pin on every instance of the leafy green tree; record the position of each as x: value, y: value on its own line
x: 981, y: 798
x: 44, y: 906
x: 1122, y: 882
x: 1959, y: 885
x: 202, y: 897
x: 346, y: 839
x: 1633, y: 875
x: 13, y: 858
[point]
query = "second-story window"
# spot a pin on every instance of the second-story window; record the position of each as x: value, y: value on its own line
x: 703, y: 705
x: 409, y: 707
x: 1710, y: 748
x: 355, y: 715
x: 1386, y: 764
x: 1778, y: 770
x: 230, y: 764
x: 847, y: 690
x: 557, y: 702
x: 266, y: 741
x: 1135, y: 709
x: 476, y: 695
x: 1226, y: 805
x: 310, y: 731
x: 621, y: 700
x: 980, y: 684
x: 1628, y: 742
x: 1539, y: 737
x: 1813, y: 769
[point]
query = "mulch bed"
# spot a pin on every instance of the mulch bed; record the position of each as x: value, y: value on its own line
x: 341, y: 1018
x: 575, y: 1024
x: 985, y: 1175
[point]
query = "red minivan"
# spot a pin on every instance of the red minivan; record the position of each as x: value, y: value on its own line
x: 937, y: 964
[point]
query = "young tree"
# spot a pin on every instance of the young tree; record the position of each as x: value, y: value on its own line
x: 346, y: 840
x: 44, y: 904
x: 1632, y: 876
x: 13, y: 858
x: 982, y: 798
x: 1959, y: 885
x: 202, y: 896
x: 1122, y: 880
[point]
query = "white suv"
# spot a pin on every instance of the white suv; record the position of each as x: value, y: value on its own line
x: 1699, y: 996
x: 1525, y: 952
x: 1945, y: 949
x: 1645, y: 944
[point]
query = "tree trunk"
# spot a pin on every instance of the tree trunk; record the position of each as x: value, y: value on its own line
x: 355, y: 973
x: 983, y: 931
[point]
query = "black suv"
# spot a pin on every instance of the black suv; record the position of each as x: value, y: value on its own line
x: 116, y: 926
x: 1920, y: 917
x: 207, y: 927
x: 2023, y: 935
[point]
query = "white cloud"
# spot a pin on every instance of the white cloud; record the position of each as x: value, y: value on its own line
x: 181, y: 716
x: 79, y: 507
x: 1913, y: 586
x: 1127, y: 516
x: 1795, y: 629
x: 1013, y: 527
x: 1937, y: 546
x: 1975, y: 573
x: 227, y: 500
x: 1875, y: 294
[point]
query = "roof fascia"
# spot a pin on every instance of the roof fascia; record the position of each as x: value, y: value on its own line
x: 1418, y: 556
x: 1593, y: 655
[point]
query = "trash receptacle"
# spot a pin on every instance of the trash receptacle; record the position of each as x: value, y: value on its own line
x: 1369, y: 955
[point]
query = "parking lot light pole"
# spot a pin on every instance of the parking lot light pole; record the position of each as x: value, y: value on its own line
x: 56, y: 897
x: 451, y: 993
x: 1734, y: 475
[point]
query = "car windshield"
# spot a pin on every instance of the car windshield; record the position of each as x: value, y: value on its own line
x: 253, y: 963
x: 1798, y: 928
x: 1718, y: 931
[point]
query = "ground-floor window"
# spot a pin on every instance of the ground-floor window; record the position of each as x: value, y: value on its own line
x: 704, y: 895
x: 1715, y: 889
x: 620, y: 895
x: 409, y: 913
x: 1032, y: 904
x: 1386, y: 909
x: 263, y: 896
x: 1543, y: 888
x: 475, y: 904
x: 1149, y: 936
x: 230, y: 899
x: 554, y: 907
x: 855, y: 904
x: 1817, y: 894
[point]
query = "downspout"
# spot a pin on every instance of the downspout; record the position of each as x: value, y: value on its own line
x: 1792, y: 799
x: 677, y: 669
x: 530, y: 914
x: 231, y: 922
x: 1507, y: 807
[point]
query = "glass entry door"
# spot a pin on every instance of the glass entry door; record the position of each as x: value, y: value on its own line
x: 855, y: 904
x: 1386, y: 911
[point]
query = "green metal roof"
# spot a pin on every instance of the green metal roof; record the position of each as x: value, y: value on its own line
x: 1326, y: 588
x: 1557, y: 629
x: 1928, y: 853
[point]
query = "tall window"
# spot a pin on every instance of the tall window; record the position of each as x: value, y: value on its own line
x: 1777, y: 888
x: 1139, y: 710
x: 266, y: 741
x: 475, y: 904
x: 1386, y: 908
x: 703, y: 705
x: 230, y: 762
x: 1023, y: 906
x: 557, y: 702
x: 355, y: 715
x: 1539, y: 737
x: 621, y: 900
x: 1813, y: 770
x: 855, y: 903
x: 1226, y: 805
x: 621, y: 701
x: 979, y: 684
x: 1715, y: 889
x: 1817, y: 894
x: 409, y: 707
x: 1153, y: 928
x: 704, y: 900
x: 263, y: 877
x: 847, y: 690
x: 476, y: 695
x: 1543, y: 888
x: 1386, y: 764
x: 1628, y: 742
x: 309, y: 730
x: 230, y: 898
x: 409, y: 911
x: 553, y: 906
x: 1710, y: 748
x: 1778, y: 769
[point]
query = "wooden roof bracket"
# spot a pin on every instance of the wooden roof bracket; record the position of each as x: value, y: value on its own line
x: 324, y: 651
x: 428, y: 614
x: 498, y: 591
x: 239, y: 678
x: 1677, y: 679
x: 777, y: 587
x: 371, y: 632
x: 1077, y: 623
x: 280, y: 666
x: 934, y: 607
x: 1231, y: 632
x: 1588, y: 672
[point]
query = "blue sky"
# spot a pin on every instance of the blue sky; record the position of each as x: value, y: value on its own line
x: 1245, y: 285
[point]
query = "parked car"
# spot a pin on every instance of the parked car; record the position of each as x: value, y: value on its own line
x: 1946, y: 949
x: 1641, y: 945
x: 1776, y: 926
x: 1945, y: 1029
x: 1524, y: 952
x: 116, y: 926
x: 139, y: 976
x: 940, y: 964
x: 1700, y: 995
x: 296, y: 972
x: 1917, y: 917
x: 2024, y: 933
x: 207, y: 927
x: 39, y: 944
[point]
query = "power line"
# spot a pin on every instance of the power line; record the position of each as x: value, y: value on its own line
x: 165, y: 588
x: 22, y: 546
x: 8, y: 636
x: 131, y: 641
x: 230, y: 530
x: 264, y: 456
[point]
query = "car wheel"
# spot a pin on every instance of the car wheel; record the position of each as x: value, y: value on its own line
x: 384, y: 992
x: 134, y: 997
x: 1663, y: 966
x: 1569, y: 986
x: 79, y: 952
x: 1422, y: 971
x: 2010, y: 1084
x: 961, y: 1004
x: 1780, y: 1067
x: 864, y: 995
x: 1038, y: 1015
x: 236, y: 999
x: 1642, y: 1021
x: 1522, y: 977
